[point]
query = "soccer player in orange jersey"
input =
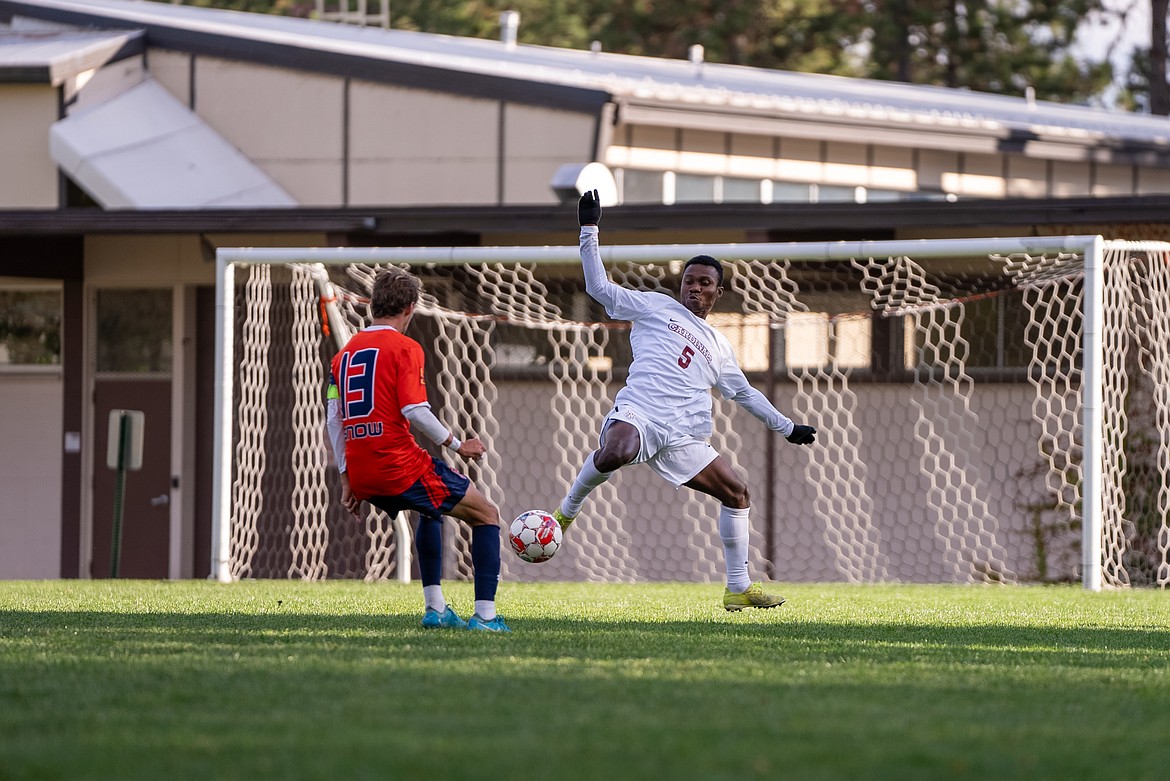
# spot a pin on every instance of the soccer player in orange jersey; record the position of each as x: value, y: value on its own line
x: 376, y: 392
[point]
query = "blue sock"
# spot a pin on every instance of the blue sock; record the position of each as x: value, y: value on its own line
x: 428, y: 541
x: 485, y: 559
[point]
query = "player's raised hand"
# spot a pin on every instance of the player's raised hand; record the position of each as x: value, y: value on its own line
x: 589, y: 208
x: 472, y: 449
x: 802, y: 435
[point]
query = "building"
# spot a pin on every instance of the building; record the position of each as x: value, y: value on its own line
x: 139, y: 137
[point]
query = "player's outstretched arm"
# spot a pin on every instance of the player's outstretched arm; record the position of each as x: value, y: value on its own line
x: 619, y: 302
x: 735, y: 386
x: 424, y: 420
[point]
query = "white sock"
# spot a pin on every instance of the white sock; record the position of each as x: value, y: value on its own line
x: 485, y: 609
x: 733, y: 530
x: 433, y: 597
x: 587, y: 479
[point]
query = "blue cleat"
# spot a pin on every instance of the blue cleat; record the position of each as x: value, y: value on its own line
x: 485, y: 625
x: 448, y: 619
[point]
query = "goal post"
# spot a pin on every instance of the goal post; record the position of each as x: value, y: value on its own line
x: 512, y: 333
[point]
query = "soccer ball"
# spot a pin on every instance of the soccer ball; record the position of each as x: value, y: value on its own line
x: 535, y: 536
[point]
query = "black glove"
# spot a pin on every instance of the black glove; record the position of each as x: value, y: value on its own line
x: 589, y: 208
x: 802, y: 435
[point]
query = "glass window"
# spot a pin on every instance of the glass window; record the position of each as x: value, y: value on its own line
x: 813, y: 340
x: 30, y: 327
x: 691, y: 188
x: 831, y: 193
x: 991, y: 330
x: 791, y: 192
x: 741, y: 190
x: 852, y: 345
x: 748, y: 334
x: 134, y: 331
x: 806, y: 340
x: 641, y: 186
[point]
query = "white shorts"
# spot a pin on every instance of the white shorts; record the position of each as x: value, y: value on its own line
x: 675, y: 457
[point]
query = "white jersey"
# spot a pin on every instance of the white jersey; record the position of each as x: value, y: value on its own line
x: 678, y: 357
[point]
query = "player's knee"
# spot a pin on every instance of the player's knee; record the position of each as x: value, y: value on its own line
x: 738, y: 496
x: 609, y: 458
x: 488, y: 516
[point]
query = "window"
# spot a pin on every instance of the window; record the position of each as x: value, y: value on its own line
x: 741, y: 190
x: 992, y: 328
x: 748, y: 334
x: 673, y: 187
x: 30, y: 326
x: 837, y: 329
x: 641, y: 186
x: 134, y: 331
x: 830, y: 193
x: 689, y: 188
x: 792, y: 192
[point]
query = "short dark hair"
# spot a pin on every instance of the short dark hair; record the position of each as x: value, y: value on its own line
x: 706, y: 260
x: 394, y: 290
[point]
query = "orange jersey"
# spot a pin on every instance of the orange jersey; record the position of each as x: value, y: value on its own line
x: 376, y: 374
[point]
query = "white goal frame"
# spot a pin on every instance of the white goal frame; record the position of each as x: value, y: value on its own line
x: 1091, y: 248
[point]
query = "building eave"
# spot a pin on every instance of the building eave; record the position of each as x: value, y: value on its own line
x: 486, y: 221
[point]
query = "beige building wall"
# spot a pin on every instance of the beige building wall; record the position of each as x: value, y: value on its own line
x: 1113, y: 180
x: 894, y: 168
x: 750, y: 155
x: 412, y: 147
x: 28, y: 175
x: 1027, y: 177
x: 846, y: 165
x: 1152, y: 181
x: 172, y: 70
x: 290, y: 123
x: 160, y: 260
x: 1070, y: 179
x: 537, y: 141
x: 800, y: 161
x: 147, y: 261
x: 30, y: 461
x: 655, y: 532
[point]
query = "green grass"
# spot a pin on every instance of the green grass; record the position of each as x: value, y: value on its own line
x: 287, y: 680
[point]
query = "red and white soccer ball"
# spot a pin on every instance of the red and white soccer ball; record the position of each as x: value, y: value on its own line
x: 535, y: 536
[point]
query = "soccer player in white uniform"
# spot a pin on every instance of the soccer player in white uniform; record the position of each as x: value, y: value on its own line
x: 662, y: 417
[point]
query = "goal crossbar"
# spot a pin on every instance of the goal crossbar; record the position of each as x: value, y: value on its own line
x: 1091, y: 248
x: 657, y: 253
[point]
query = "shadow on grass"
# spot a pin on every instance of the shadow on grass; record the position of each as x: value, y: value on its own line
x: 311, y: 695
x: 560, y: 638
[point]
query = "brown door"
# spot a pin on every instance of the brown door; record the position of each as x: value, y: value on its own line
x: 146, y: 493
x: 133, y: 371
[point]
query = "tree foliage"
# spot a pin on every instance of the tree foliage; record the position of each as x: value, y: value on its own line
x: 1000, y: 46
x: 984, y: 45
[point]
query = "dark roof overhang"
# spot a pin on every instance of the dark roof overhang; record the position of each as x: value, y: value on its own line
x: 485, y: 221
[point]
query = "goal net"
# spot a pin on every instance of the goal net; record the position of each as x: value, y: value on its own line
x: 988, y: 410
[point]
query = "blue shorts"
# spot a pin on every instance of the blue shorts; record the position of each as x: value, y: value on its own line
x: 438, y: 490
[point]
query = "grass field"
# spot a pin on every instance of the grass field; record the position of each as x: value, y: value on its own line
x: 288, y: 680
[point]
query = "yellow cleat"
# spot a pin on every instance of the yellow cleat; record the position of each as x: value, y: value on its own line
x: 564, y: 520
x: 755, y: 596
